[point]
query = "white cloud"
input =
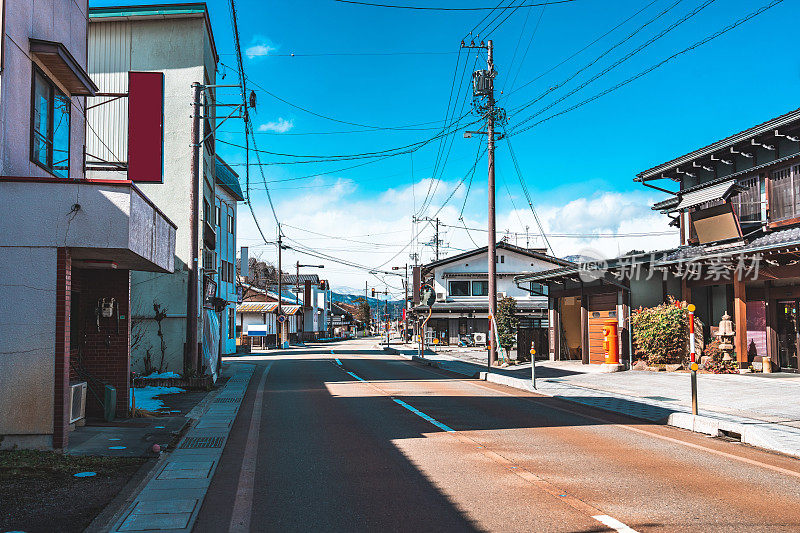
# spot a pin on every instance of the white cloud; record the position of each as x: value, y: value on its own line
x: 260, y: 47
x: 371, y: 231
x: 278, y: 126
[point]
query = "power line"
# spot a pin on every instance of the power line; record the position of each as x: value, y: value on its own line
x: 320, y: 115
x: 438, y: 8
x: 646, y: 71
x: 551, y: 69
x: 580, y: 235
x: 619, y: 61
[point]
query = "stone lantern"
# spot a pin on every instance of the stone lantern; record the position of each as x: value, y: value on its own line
x: 726, y: 335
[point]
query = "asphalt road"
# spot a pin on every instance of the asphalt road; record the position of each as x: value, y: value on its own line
x: 358, y: 440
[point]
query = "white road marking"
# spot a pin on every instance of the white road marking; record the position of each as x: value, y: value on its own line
x: 633, y: 429
x: 243, y: 504
x: 614, y: 524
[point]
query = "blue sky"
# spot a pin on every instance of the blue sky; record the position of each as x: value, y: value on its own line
x: 578, y: 167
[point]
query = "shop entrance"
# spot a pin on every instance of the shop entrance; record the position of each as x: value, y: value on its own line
x: 787, y: 334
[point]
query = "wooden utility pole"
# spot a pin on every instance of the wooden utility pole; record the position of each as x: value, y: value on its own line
x: 191, y: 355
x: 280, y: 289
x: 483, y: 86
x: 492, y: 236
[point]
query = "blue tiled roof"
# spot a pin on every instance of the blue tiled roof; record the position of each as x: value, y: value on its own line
x: 229, y: 179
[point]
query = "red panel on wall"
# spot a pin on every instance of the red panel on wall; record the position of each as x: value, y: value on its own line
x: 146, y: 126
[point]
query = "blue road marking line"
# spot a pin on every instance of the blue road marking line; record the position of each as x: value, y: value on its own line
x: 338, y: 362
x: 358, y: 378
x: 424, y: 416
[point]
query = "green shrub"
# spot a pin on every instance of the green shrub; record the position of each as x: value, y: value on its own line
x: 661, y: 333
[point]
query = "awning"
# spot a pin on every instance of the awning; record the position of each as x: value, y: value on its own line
x: 257, y: 307
x: 63, y: 66
x: 720, y: 191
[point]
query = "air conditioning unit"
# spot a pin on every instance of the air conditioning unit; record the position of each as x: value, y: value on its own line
x: 77, y: 401
x: 479, y: 338
x: 501, y: 295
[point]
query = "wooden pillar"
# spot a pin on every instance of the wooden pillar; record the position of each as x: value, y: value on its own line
x: 623, y: 325
x: 554, y: 323
x: 584, y: 328
x: 772, y: 337
x: 740, y: 320
x: 686, y: 291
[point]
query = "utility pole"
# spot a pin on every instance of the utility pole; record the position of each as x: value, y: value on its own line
x: 483, y: 87
x: 191, y: 355
x: 436, y: 239
x: 405, y: 300
x: 280, y: 288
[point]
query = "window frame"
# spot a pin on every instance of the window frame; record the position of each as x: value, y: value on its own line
x: 230, y: 223
x: 450, y: 287
x: 54, y: 91
x: 472, y: 287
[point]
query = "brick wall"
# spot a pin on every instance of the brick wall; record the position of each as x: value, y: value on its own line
x: 104, y: 354
x: 62, y: 348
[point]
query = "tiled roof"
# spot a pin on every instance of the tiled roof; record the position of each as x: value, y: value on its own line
x: 769, y: 241
x: 746, y: 135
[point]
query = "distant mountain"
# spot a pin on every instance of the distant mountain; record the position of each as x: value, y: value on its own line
x: 395, y: 306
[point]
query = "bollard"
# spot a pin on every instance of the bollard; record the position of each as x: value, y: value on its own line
x: 692, y: 363
x: 533, y: 367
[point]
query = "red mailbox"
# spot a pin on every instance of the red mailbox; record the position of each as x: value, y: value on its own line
x: 611, y: 342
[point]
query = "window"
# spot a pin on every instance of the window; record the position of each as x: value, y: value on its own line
x: 207, y: 212
x: 784, y: 194
x: 50, y: 110
x: 219, y: 215
x: 480, y: 288
x: 538, y: 288
x: 500, y: 259
x: 747, y: 204
x: 230, y: 223
x: 459, y: 288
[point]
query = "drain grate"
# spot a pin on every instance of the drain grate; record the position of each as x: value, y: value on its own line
x: 227, y: 400
x: 202, y: 442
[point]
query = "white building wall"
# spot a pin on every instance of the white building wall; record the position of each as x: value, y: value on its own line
x: 27, y: 344
x: 62, y: 21
x: 513, y: 263
x: 180, y: 48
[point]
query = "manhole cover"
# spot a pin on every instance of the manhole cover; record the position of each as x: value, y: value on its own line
x: 661, y: 398
x: 227, y: 400
x: 202, y: 442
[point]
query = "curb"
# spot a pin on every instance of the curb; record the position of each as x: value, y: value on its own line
x: 763, y: 435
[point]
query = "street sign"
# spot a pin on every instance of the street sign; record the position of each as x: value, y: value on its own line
x: 281, y: 318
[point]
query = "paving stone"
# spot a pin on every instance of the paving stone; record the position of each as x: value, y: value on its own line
x: 165, y: 506
x: 161, y: 521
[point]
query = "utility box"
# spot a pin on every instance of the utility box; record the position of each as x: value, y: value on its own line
x: 481, y: 83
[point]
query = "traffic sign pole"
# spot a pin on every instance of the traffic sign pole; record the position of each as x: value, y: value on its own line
x: 533, y: 367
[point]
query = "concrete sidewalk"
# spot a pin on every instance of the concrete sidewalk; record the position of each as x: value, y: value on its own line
x: 173, y: 494
x: 760, y: 410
